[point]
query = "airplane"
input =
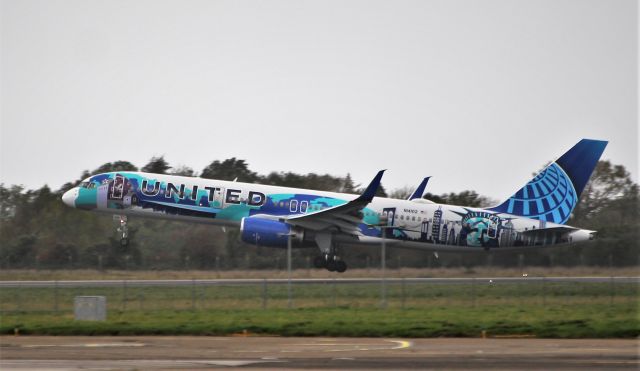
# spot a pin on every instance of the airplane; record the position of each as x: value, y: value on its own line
x: 274, y: 216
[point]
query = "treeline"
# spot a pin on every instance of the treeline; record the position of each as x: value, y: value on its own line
x: 38, y: 231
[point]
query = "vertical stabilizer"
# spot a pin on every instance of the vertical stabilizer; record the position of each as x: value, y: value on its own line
x: 553, y: 193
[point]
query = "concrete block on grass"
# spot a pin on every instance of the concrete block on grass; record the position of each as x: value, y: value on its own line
x: 90, y: 308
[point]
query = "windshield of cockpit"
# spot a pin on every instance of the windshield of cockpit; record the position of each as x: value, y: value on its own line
x: 87, y: 183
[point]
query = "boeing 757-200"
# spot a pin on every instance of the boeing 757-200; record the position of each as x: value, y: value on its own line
x: 274, y: 216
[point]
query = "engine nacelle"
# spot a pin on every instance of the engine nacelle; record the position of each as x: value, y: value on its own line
x: 270, y: 233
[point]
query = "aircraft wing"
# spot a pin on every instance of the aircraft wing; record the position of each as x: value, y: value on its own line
x: 345, y: 217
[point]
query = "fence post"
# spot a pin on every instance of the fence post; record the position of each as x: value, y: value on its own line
x: 18, y: 298
x: 55, y: 296
x: 333, y: 292
x: 521, y: 263
x: 612, y: 289
x: 289, y: 271
x: 383, y: 264
x: 217, y: 266
x: 124, y: 295
x: 201, y: 296
x: 193, y: 294
x: 403, y: 292
x: 473, y: 292
x: 264, y: 293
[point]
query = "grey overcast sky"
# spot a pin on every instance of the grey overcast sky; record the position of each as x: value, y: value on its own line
x: 477, y: 94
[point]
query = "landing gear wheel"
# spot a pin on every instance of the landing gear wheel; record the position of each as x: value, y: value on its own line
x: 331, y: 265
x: 124, y: 231
x: 341, y: 266
x: 319, y: 262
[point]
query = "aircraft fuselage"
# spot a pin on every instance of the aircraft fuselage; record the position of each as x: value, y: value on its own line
x: 414, y: 224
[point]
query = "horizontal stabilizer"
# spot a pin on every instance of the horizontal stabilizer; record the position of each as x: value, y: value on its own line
x: 549, y: 230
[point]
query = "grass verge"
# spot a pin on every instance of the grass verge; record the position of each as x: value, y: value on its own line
x: 593, y: 321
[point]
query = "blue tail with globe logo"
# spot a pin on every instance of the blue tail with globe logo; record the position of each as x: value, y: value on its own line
x: 552, y: 195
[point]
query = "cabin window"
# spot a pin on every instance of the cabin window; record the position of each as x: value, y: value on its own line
x: 281, y: 204
x: 303, y: 206
x: 293, y: 206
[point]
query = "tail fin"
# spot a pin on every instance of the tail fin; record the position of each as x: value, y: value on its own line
x: 553, y: 194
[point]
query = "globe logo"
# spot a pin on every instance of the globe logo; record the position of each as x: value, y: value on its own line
x: 550, y: 196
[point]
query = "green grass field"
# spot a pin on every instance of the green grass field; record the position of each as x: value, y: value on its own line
x: 557, y: 321
x: 548, y: 309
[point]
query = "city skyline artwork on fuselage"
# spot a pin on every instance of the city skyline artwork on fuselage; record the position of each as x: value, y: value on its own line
x: 465, y: 227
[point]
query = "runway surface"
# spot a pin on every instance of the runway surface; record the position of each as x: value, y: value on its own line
x: 274, y: 353
x: 307, y: 281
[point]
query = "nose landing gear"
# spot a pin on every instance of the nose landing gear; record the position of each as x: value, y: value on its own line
x: 124, y: 231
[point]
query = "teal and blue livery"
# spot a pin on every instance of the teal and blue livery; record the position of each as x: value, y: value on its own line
x: 273, y: 216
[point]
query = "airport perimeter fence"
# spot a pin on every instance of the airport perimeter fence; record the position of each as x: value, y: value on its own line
x: 262, y: 294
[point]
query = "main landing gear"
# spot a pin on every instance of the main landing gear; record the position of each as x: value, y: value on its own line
x: 330, y: 262
x: 329, y: 259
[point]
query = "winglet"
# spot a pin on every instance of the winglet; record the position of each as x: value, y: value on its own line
x: 420, y: 190
x: 372, y: 188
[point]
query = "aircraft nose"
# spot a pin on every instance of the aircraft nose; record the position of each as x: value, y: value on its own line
x: 69, y: 197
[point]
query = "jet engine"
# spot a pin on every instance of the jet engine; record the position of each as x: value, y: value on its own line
x: 269, y: 233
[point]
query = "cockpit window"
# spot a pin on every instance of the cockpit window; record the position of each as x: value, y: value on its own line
x: 87, y: 184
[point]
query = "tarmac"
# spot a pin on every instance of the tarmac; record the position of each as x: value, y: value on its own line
x: 310, y: 281
x: 313, y: 353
